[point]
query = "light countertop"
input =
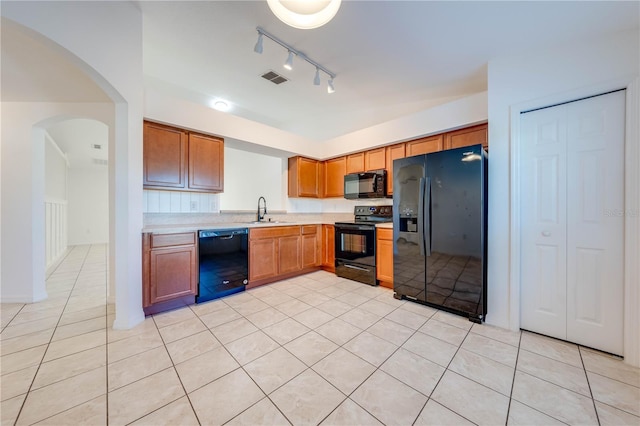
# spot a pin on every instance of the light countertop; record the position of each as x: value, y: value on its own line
x: 169, y: 229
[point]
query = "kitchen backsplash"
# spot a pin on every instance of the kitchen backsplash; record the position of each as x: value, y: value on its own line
x: 179, y: 202
x: 195, y: 202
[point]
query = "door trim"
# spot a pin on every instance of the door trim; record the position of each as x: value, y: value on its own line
x: 631, y: 351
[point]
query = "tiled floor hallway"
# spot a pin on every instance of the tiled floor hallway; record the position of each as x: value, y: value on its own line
x: 313, y: 349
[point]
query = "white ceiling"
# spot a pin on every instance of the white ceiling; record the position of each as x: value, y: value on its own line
x: 392, y: 58
x: 77, y: 137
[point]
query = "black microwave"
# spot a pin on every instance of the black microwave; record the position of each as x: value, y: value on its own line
x: 372, y: 184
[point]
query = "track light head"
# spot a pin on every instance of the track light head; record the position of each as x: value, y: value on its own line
x: 289, y: 62
x: 258, y: 47
x: 316, y: 80
x: 330, y: 88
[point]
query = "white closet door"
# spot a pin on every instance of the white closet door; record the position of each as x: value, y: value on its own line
x: 595, y: 207
x: 543, y: 221
x: 572, y: 221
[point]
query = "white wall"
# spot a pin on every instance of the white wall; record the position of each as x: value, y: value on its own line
x: 248, y: 176
x: 88, y: 206
x: 113, y: 59
x: 565, y: 73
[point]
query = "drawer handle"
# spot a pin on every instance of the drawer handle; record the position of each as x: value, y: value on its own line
x: 358, y: 268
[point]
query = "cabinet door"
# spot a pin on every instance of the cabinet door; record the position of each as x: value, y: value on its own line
x: 374, y: 159
x: 289, y: 254
x: 263, y: 259
x: 328, y: 247
x: 384, y: 258
x: 206, y: 163
x: 424, y: 145
x: 392, y: 153
x: 465, y: 137
x: 311, y: 245
x: 304, y: 177
x: 164, y: 157
x: 334, y: 172
x: 355, y: 162
x: 173, y: 273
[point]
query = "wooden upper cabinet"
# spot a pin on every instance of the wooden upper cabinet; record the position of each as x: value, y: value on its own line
x: 465, y: 137
x: 393, y: 152
x: 375, y: 159
x: 206, y: 163
x: 165, y: 157
x: 175, y: 159
x: 424, y: 145
x: 355, y: 162
x: 304, y: 177
x: 334, y: 171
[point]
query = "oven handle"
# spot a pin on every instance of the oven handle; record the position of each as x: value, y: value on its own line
x: 421, y: 216
x: 357, y: 267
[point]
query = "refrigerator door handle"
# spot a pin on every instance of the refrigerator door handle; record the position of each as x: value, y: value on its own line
x: 427, y: 217
x: 421, y: 217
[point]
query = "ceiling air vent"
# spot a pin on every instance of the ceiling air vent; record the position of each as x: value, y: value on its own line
x: 100, y: 161
x: 274, y: 77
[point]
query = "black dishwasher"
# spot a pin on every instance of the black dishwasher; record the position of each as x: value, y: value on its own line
x: 224, y: 262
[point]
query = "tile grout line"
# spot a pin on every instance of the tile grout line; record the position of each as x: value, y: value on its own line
x: 513, y: 379
x: 51, y: 338
x: 593, y: 400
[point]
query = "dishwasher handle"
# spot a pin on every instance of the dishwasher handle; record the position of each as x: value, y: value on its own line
x: 223, y: 234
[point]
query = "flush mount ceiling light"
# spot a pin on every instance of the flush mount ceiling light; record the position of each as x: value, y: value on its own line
x: 220, y: 105
x: 291, y: 52
x: 304, y: 14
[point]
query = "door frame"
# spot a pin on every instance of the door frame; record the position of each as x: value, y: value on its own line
x: 631, y: 303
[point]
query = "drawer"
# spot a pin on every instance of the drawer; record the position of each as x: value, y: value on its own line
x: 309, y: 229
x: 274, y: 232
x: 385, y: 233
x: 167, y: 240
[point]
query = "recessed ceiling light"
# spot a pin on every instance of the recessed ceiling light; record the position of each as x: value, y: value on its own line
x: 220, y: 105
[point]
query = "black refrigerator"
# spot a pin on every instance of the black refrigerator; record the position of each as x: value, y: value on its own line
x: 439, y: 230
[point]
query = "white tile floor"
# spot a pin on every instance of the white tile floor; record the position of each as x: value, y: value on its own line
x: 310, y: 350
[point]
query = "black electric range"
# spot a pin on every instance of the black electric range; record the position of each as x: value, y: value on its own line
x: 355, y: 241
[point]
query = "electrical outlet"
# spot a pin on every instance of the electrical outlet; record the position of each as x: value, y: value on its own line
x: 194, y: 205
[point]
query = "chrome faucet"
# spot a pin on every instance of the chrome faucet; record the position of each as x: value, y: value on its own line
x: 264, y: 212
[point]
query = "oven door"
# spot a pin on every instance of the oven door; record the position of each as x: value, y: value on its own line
x: 356, y: 243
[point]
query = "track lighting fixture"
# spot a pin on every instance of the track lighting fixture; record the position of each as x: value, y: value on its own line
x: 289, y: 62
x: 258, y: 47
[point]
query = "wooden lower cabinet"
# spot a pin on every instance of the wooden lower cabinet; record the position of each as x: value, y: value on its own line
x: 328, y: 248
x: 384, y: 256
x: 289, y: 254
x: 170, y: 271
x: 263, y: 259
x: 281, y: 252
x: 311, y: 246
